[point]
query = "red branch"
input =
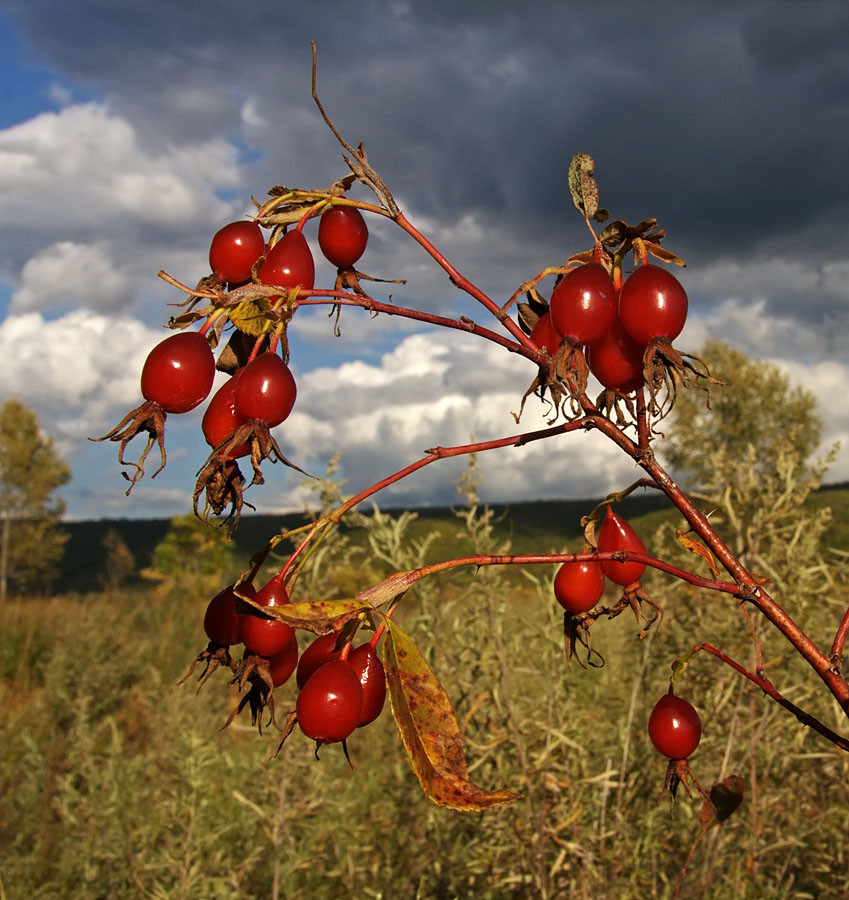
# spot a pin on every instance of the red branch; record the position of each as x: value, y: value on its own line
x: 343, y: 298
x: 840, y: 641
x: 464, y: 284
x: 529, y: 559
x: 750, y: 590
x: 769, y: 689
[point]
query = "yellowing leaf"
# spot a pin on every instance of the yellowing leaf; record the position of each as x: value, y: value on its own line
x: 319, y: 616
x: 688, y: 542
x: 429, y: 729
x: 248, y: 316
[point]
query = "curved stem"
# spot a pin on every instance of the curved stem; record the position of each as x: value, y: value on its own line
x: 769, y: 689
x: 464, y: 284
x: 840, y: 640
x: 750, y: 590
x: 343, y: 298
x: 437, y: 453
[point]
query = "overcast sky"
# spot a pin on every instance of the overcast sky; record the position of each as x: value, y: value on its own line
x: 130, y: 133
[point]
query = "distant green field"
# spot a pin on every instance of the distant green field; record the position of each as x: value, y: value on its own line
x: 530, y: 526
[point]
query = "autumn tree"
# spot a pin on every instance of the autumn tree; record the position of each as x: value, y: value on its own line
x: 31, y: 543
x: 748, y: 457
x: 191, y: 558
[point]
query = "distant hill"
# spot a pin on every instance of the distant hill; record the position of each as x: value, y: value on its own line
x: 531, y: 526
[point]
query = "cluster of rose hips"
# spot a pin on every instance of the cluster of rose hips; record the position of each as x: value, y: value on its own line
x: 341, y: 687
x: 674, y: 725
x: 178, y: 374
x: 579, y: 585
x: 615, y: 327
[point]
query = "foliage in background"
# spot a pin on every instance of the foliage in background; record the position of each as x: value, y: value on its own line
x: 114, y: 783
x: 31, y: 542
x: 192, y: 559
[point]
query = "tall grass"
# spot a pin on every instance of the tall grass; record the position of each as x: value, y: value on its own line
x: 115, y: 783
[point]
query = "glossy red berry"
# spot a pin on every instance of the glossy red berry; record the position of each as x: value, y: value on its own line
x: 674, y: 727
x: 544, y: 335
x: 267, y: 637
x: 369, y: 669
x: 578, y: 586
x: 221, y: 621
x: 282, y: 664
x: 652, y: 304
x: 318, y: 652
x: 221, y: 418
x: 616, y: 534
x: 289, y: 263
x: 330, y: 704
x: 234, y: 250
x: 616, y: 360
x: 342, y: 235
x: 583, y: 303
x: 266, y: 390
x: 178, y: 372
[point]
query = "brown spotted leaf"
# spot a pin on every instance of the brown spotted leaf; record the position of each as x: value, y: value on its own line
x: 582, y: 185
x: 318, y: 616
x: 429, y: 729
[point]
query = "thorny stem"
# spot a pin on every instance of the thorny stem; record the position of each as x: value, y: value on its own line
x: 840, y: 641
x: 771, y: 691
x: 464, y: 284
x: 343, y: 298
x: 748, y: 587
x: 528, y: 559
x: 437, y: 453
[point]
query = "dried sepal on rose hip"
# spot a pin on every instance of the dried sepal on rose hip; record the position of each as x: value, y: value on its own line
x: 262, y: 396
x: 222, y: 626
x: 176, y: 377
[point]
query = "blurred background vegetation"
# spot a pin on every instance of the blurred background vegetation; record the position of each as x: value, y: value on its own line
x: 115, y: 783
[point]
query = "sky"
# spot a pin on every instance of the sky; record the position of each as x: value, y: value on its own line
x: 130, y: 133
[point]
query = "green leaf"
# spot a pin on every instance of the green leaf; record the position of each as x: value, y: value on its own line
x: 429, y: 729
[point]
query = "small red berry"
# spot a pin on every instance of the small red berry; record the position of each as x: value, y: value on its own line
x: 616, y: 360
x: 652, y: 304
x: 289, y: 263
x: 178, y: 372
x: 319, y: 652
x: 234, y: 250
x: 369, y: 669
x: 616, y: 534
x: 267, y: 637
x: 342, y: 235
x: 221, y: 621
x: 221, y: 418
x: 544, y: 335
x: 282, y: 664
x: 330, y: 704
x: 578, y: 586
x: 675, y: 728
x: 583, y: 303
x: 266, y: 390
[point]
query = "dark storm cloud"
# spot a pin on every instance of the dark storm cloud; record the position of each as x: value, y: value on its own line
x: 721, y: 118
